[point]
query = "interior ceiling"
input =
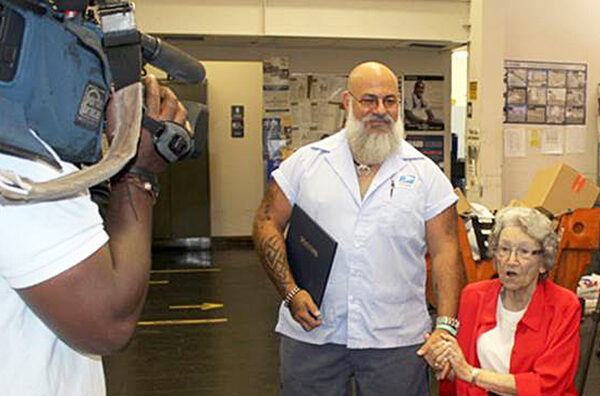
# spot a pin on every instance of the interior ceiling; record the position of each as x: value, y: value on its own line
x: 314, y: 42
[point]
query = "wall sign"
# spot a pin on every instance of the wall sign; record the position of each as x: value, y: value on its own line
x: 237, y: 121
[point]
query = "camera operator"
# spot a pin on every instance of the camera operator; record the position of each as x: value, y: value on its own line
x: 71, y: 287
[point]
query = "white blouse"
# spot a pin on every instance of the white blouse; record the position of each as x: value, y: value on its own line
x: 494, y: 347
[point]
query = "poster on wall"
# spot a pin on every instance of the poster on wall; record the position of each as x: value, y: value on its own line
x: 423, y: 103
x: 299, y: 109
x: 431, y: 146
x: 276, y: 112
x: 276, y: 83
x: 544, y: 92
x: 276, y: 134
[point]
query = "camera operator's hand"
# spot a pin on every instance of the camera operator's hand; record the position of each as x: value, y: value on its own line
x: 162, y: 105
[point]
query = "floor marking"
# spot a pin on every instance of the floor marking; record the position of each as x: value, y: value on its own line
x: 203, y: 306
x: 185, y: 270
x: 158, y: 282
x: 178, y: 322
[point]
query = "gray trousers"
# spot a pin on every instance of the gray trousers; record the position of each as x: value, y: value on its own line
x: 319, y: 370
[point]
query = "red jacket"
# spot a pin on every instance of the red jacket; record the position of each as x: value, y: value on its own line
x: 545, y: 354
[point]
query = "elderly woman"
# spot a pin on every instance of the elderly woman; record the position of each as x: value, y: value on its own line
x: 519, y: 333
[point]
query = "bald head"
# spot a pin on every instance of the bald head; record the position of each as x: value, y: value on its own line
x: 371, y: 86
x: 371, y: 74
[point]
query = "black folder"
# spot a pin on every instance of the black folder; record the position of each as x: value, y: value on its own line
x: 310, y: 253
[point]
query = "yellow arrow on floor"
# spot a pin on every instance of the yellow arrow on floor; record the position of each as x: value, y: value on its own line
x: 204, y: 306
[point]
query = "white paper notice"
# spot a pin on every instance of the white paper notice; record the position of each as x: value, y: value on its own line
x: 515, y: 142
x: 575, y: 139
x: 552, y: 140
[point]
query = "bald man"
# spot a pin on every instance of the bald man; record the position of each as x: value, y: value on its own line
x: 386, y: 205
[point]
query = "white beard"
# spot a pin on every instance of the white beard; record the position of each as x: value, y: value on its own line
x: 372, y: 148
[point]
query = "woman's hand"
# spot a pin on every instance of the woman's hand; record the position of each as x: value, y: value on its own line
x: 437, y: 358
x: 452, y: 353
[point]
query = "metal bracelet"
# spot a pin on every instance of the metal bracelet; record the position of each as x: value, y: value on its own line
x: 474, y: 373
x: 290, y: 296
x: 447, y: 320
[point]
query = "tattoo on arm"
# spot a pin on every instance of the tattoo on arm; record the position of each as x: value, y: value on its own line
x: 273, y: 255
x: 269, y: 242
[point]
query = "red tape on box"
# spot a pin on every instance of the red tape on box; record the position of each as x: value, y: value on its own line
x: 578, y: 183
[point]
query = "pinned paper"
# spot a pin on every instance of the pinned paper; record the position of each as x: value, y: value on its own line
x: 514, y: 142
x: 552, y: 140
x: 535, y: 140
x: 575, y: 139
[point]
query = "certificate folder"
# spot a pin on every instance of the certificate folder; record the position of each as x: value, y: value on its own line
x: 310, y: 253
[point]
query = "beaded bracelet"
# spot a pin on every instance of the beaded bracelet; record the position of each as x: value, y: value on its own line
x: 140, y: 184
x: 448, y: 328
x: 142, y: 180
x: 447, y: 323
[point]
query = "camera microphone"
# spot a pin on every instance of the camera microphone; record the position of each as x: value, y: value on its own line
x: 172, y: 60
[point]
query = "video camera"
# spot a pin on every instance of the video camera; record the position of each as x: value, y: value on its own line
x: 171, y: 140
x: 59, y: 60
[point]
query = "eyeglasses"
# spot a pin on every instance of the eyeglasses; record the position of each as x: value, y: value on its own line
x: 370, y: 102
x: 505, y: 252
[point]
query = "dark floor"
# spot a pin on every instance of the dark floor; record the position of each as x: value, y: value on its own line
x: 222, y: 342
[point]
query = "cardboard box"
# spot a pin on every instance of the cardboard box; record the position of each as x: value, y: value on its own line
x: 560, y: 188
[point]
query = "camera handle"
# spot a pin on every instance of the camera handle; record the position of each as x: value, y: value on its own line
x: 171, y: 140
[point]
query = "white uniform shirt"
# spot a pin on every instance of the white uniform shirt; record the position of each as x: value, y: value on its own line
x: 375, y: 296
x: 40, y: 241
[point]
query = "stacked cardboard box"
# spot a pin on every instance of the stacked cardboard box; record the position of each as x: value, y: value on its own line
x: 560, y: 188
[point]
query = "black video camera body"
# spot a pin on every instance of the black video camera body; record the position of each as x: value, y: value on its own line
x: 58, y: 62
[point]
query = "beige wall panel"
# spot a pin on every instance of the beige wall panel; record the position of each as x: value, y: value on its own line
x: 384, y: 19
x: 236, y: 169
x: 200, y: 16
x: 560, y: 31
x: 393, y: 19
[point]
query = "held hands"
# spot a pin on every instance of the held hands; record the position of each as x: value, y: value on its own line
x: 446, y: 351
x: 431, y: 351
x: 305, y: 311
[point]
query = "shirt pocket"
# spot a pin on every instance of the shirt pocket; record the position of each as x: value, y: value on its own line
x: 402, y: 216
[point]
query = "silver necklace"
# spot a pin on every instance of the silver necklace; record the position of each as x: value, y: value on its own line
x: 362, y: 169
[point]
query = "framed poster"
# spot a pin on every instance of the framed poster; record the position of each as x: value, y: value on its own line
x: 423, y: 103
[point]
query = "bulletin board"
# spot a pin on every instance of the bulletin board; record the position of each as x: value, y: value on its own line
x: 298, y: 109
x: 544, y: 93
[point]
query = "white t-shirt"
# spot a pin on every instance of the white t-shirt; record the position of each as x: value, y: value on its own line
x: 40, y: 241
x: 494, y: 347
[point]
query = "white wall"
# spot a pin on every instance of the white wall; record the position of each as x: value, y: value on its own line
x: 397, y: 19
x: 534, y: 30
x: 562, y: 31
x: 485, y: 67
